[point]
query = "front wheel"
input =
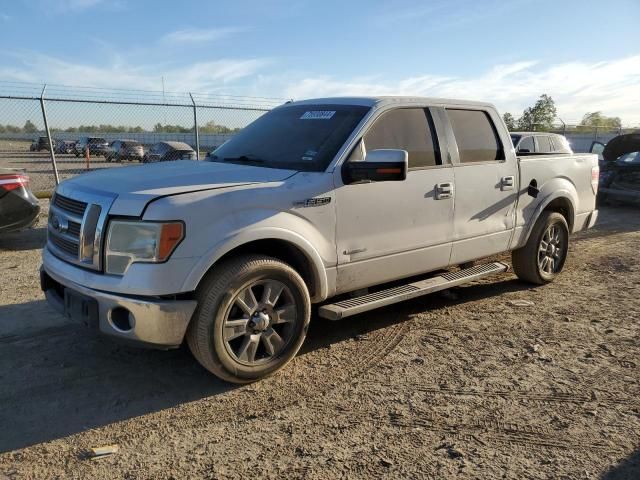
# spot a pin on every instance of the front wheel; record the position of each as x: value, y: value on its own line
x: 252, y: 318
x: 544, y: 255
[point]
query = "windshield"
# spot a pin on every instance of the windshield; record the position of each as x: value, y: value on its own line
x: 299, y: 137
x: 632, y: 158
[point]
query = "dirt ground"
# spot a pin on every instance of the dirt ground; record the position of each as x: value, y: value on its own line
x: 472, y: 383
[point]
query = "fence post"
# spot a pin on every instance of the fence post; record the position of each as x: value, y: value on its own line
x: 46, y: 127
x: 195, y: 126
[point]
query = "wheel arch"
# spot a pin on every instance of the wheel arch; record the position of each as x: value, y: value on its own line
x: 281, y: 244
x: 560, y: 201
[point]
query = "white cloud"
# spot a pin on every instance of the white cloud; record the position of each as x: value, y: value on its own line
x: 198, y: 77
x: 198, y: 35
x: 577, y: 87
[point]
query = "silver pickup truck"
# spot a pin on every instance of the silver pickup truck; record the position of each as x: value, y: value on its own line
x: 349, y: 203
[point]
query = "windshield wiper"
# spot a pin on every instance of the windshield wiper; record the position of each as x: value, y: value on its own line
x: 244, y: 159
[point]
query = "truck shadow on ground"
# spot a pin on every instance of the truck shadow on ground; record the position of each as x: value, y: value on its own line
x: 57, y: 381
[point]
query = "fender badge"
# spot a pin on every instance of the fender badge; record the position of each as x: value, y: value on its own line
x: 313, y: 202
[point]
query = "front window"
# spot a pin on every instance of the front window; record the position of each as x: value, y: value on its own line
x: 409, y: 129
x: 298, y: 137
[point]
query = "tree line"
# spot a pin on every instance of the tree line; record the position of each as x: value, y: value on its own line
x: 210, y: 127
x: 543, y: 115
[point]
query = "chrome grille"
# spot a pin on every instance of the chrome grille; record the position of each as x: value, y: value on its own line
x: 76, y: 207
x: 65, y: 245
x: 75, y: 228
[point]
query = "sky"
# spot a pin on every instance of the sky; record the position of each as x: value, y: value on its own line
x: 584, y: 53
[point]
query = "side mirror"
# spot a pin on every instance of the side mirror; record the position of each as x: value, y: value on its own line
x: 384, y: 165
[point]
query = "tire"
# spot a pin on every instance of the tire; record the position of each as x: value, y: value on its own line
x: 232, y: 334
x: 541, y: 260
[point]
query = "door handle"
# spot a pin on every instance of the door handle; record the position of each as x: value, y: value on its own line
x: 507, y: 183
x: 444, y: 190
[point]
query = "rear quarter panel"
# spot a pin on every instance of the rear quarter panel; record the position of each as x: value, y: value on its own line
x: 557, y: 176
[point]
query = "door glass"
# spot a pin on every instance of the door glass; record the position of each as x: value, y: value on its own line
x: 598, y: 148
x: 409, y: 129
x: 526, y: 145
x: 476, y: 136
x: 543, y: 144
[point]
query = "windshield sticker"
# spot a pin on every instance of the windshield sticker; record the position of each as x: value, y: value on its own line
x: 318, y: 115
x: 308, y: 155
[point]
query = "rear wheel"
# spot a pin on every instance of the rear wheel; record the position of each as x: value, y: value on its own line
x: 252, y: 318
x: 544, y: 255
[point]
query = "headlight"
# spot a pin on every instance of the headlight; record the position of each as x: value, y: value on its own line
x: 137, y: 241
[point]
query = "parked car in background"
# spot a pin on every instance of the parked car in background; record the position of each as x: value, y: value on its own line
x: 168, y: 151
x: 65, y: 146
x: 124, y: 150
x: 19, y: 208
x: 97, y: 146
x: 540, y: 143
x: 41, y: 143
x: 619, y: 168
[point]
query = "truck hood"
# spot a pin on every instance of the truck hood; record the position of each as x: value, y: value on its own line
x: 133, y: 187
x: 621, y: 145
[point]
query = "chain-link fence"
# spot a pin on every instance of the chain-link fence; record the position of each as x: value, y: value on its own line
x: 56, y: 132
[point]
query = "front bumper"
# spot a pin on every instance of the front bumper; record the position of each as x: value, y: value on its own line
x: 146, y: 321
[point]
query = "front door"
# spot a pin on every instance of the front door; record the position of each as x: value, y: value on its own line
x: 390, y: 230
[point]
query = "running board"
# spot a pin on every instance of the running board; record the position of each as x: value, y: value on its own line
x: 353, y: 306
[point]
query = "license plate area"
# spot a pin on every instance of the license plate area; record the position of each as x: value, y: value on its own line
x: 81, y: 308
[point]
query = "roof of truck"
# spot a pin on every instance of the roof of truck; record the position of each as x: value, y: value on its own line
x: 536, y: 133
x: 386, y: 100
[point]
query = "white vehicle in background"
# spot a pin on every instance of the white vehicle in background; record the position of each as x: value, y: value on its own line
x: 312, y: 203
x: 540, y: 143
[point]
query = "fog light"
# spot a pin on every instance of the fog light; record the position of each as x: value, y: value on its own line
x: 122, y: 319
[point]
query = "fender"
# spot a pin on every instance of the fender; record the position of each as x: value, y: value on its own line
x: 549, y: 194
x: 265, y: 233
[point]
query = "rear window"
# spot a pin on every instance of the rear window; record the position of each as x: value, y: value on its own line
x: 560, y: 145
x: 476, y: 136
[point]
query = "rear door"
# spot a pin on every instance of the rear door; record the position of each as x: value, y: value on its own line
x: 390, y: 230
x: 486, y: 181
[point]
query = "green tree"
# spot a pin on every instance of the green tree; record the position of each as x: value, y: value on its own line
x: 29, y: 127
x: 509, y: 121
x: 540, y: 116
x: 597, y: 119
